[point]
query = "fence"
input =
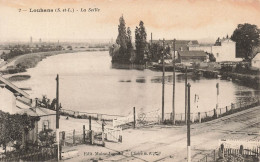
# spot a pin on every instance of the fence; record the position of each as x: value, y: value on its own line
x: 137, y: 119
x: 234, y: 150
x: 212, y: 156
x: 43, y: 154
x: 94, y: 135
x: 86, y: 115
x: 215, y: 113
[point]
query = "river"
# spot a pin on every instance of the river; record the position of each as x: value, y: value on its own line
x: 88, y: 83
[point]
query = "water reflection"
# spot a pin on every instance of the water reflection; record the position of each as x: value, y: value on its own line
x: 90, y: 83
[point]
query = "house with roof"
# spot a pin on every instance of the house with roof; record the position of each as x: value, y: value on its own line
x: 180, y: 45
x: 191, y: 56
x: 12, y: 98
x: 15, y: 101
x: 255, y: 62
x: 223, y: 50
x: 47, y: 121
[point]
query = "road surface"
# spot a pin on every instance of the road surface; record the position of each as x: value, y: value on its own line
x: 168, y: 143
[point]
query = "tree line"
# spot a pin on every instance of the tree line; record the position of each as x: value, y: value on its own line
x: 246, y: 36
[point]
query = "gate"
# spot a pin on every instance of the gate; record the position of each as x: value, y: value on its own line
x: 148, y: 118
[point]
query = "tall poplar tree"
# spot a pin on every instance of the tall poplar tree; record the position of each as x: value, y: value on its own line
x: 122, y: 37
x: 140, y: 42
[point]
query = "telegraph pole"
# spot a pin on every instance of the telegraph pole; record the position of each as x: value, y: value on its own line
x: 186, y: 100
x: 173, y: 87
x: 163, y: 82
x: 57, y: 117
x: 188, y: 127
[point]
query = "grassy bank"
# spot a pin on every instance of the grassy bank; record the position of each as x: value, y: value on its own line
x: 31, y: 60
x: 23, y: 62
x: 19, y: 78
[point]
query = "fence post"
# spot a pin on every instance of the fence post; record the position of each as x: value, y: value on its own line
x: 73, y: 136
x: 214, y: 155
x: 90, y: 123
x: 92, y: 133
x: 120, y: 136
x: 226, y: 109
x: 63, y: 138
x: 134, y: 116
x: 84, y: 134
x: 103, y: 133
x: 199, y: 117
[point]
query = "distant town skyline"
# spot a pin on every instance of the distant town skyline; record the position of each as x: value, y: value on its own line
x: 194, y: 19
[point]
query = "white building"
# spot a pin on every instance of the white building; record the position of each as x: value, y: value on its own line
x: 255, y: 62
x: 224, y: 51
x: 12, y: 99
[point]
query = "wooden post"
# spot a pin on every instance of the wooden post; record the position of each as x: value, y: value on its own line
x: 173, y: 84
x: 134, y: 116
x: 226, y: 109
x: 214, y: 157
x: 84, y: 134
x: 163, y: 83
x: 188, y: 127
x: 62, y: 134
x: 73, y: 136
x: 103, y: 133
x: 57, y: 117
x: 89, y: 123
x: 186, y: 100
x: 199, y: 117
x: 90, y: 132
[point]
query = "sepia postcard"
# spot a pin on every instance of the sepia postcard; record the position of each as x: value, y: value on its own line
x: 130, y: 80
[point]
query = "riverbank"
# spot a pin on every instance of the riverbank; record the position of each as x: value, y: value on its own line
x: 249, y: 80
x: 23, y: 62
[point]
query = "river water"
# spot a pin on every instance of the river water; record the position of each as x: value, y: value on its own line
x: 88, y: 83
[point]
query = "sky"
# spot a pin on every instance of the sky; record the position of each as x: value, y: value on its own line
x: 169, y: 19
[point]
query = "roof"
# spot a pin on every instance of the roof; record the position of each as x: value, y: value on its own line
x: 226, y: 40
x: 192, y: 53
x: 257, y: 57
x: 10, y: 86
x: 180, y: 44
x: 38, y: 111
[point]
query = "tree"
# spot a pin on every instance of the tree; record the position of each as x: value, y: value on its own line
x: 246, y: 37
x: 13, y: 126
x: 122, y: 37
x: 129, y: 45
x: 140, y: 42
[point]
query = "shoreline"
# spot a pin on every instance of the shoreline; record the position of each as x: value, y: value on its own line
x: 21, y: 63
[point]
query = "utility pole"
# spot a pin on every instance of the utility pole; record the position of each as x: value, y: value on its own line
x: 57, y: 117
x: 173, y: 84
x: 188, y: 127
x: 163, y: 82
x: 186, y: 98
x: 217, y: 86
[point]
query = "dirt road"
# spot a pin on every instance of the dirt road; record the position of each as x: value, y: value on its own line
x: 168, y: 143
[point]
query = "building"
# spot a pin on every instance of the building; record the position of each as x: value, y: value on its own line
x: 191, y: 56
x: 223, y: 50
x: 180, y: 45
x: 12, y: 99
x: 47, y: 121
x: 255, y: 62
